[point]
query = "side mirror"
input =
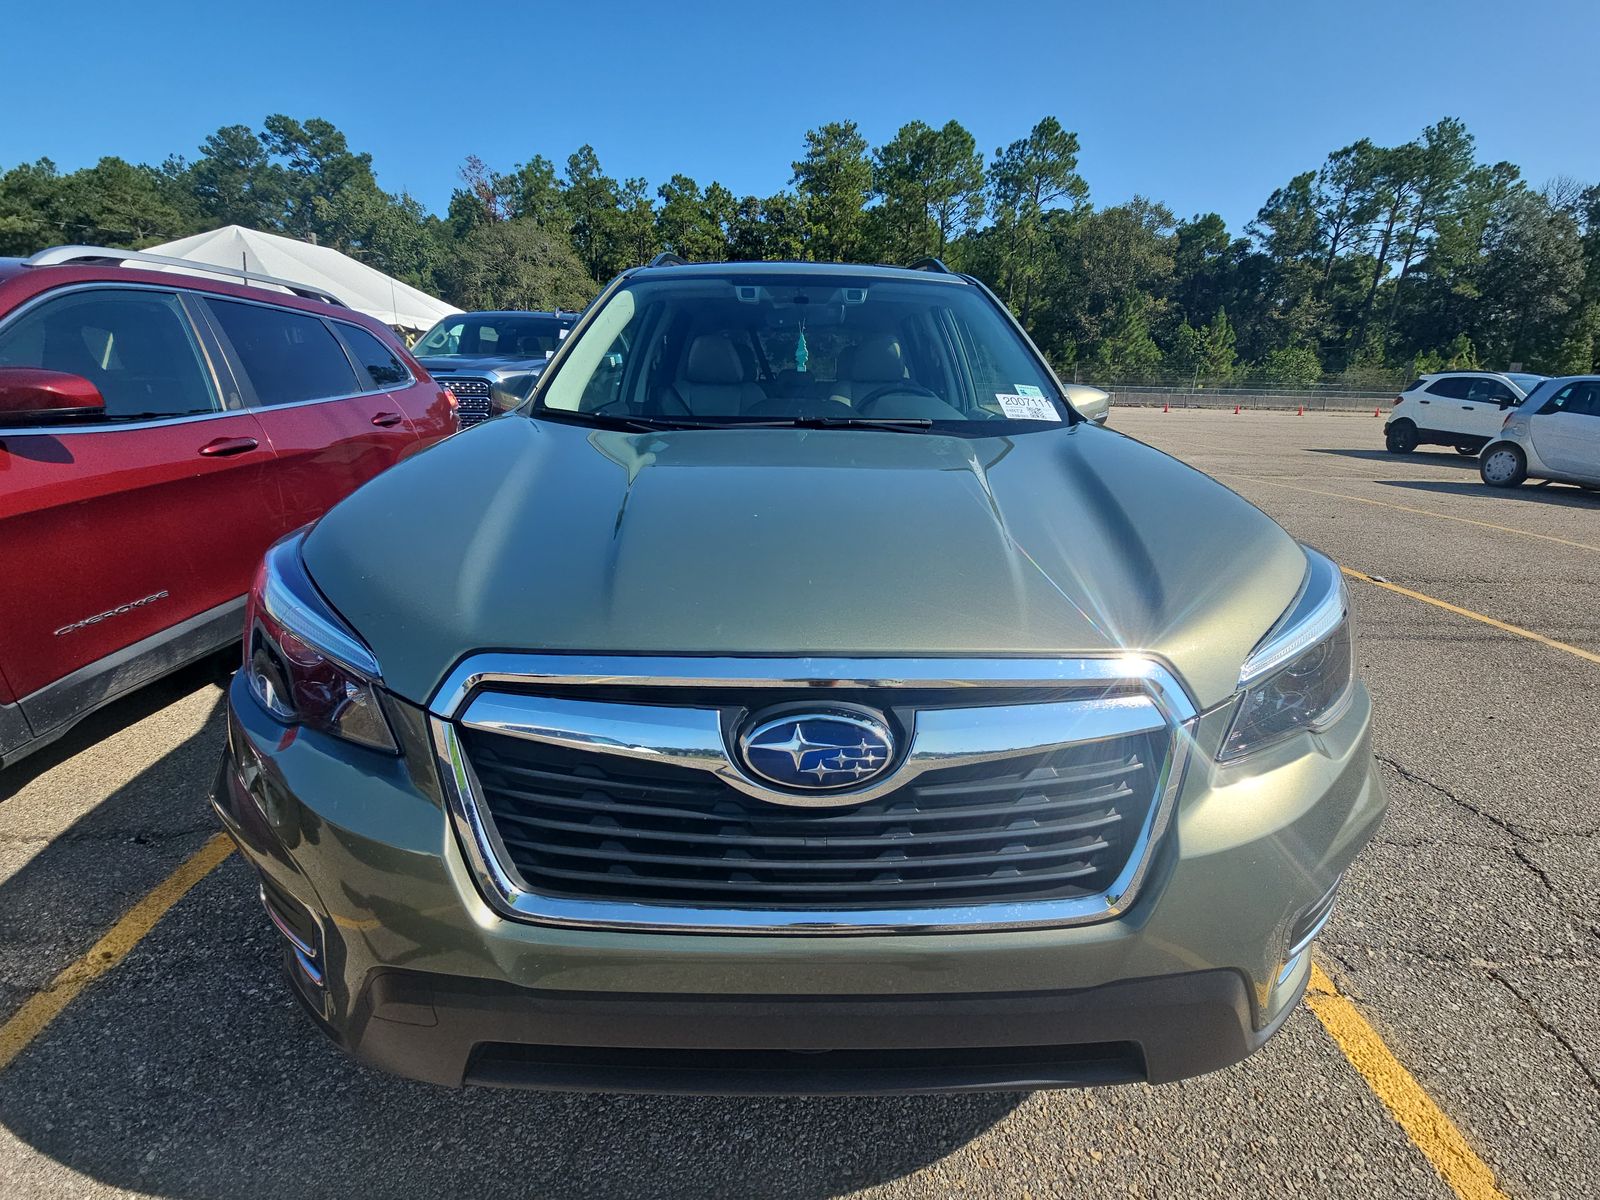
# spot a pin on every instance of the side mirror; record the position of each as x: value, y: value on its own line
x: 1092, y: 404
x: 1509, y: 402
x: 31, y: 393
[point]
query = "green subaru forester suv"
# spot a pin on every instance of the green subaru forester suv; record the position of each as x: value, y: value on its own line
x: 797, y: 694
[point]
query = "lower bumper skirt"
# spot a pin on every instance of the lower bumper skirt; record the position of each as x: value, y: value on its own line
x: 453, y: 1031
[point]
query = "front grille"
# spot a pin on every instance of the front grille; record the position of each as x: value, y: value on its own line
x: 472, y: 400
x: 1049, y: 826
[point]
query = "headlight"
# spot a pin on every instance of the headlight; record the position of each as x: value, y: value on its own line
x: 303, y: 663
x: 1301, y: 675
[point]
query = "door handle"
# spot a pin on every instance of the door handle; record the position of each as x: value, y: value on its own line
x: 221, y: 447
x: 386, y: 419
x: 1469, y: 408
x: 1425, y: 401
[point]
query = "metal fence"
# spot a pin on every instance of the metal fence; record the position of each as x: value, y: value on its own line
x: 1322, y: 398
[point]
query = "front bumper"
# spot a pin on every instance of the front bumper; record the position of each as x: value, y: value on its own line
x: 420, y: 976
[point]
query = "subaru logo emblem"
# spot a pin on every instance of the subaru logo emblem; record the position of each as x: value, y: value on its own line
x: 818, y: 751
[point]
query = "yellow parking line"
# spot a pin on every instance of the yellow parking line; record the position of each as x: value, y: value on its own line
x: 1587, y: 655
x: 1424, y: 1122
x: 43, y: 1007
x: 1426, y: 512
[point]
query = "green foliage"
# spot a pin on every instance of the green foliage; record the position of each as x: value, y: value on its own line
x: 1291, y: 367
x: 1380, y: 261
x: 516, y: 263
x: 832, y: 182
x: 1128, y: 351
x: 929, y: 185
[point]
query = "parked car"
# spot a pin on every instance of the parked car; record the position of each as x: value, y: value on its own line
x: 867, y: 720
x: 157, y: 433
x: 1462, y: 409
x: 490, y: 360
x: 1555, y: 435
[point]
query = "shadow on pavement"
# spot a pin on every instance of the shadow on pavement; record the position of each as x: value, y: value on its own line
x: 189, y: 1072
x: 115, y: 717
x: 1432, y: 455
x: 66, y: 894
x: 1560, y: 495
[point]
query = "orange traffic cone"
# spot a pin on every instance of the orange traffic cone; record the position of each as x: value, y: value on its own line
x: 1376, y: 413
x: 1166, y: 408
x: 1302, y: 411
x: 1236, y: 410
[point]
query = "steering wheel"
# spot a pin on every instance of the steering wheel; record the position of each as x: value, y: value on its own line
x: 901, y: 387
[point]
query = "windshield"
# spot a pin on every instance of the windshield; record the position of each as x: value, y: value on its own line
x: 494, y: 335
x: 817, y: 347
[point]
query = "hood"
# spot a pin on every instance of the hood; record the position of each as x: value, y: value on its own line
x: 451, y: 365
x: 524, y: 535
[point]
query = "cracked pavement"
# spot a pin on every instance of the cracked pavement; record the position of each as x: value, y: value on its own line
x: 1468, y: 934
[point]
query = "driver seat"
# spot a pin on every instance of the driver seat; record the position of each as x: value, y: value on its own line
x: 876, y: 362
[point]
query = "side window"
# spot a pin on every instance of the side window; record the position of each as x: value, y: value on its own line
x: 1488, y: 391
x: 136, y: 346
x: 1560, y: 400
x: 289, y: 356
x: 605, y: 384
x: 1451, y: 387
x: 1585, y: 401
x: 378, y: 366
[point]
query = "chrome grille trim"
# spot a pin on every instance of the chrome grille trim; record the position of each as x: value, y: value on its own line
x: 692, y: 737
x: 1161, y: 704
x: 473, y: 398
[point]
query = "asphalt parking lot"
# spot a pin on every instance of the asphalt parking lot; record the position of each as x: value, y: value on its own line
x: 1467, y: 941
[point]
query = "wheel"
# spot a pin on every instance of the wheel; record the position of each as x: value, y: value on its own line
x: 1402, y: 438
x: 1469, y: 449
x: 1503, y: 466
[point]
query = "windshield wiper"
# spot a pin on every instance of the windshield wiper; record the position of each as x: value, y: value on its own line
x: 659, y: 424
x: 604, y: 420
x: 891, y: 424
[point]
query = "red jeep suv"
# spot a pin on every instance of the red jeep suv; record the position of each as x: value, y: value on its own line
x: 158, y: 431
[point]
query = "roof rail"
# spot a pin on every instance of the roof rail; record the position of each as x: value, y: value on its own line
x: 59, y: 255
x: 929, y: 264
x: 668, y: 259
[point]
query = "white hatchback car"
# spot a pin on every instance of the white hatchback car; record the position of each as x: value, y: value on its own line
x: 1463, y: 409
x: 1555, y: 434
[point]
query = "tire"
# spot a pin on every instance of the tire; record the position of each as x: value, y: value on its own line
x: 1503, y: 465
x: 1469, y: 449
x: 1402, y: 438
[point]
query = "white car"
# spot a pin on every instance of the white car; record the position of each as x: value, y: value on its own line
x: 1555, y: 435
x: 1463, y: 409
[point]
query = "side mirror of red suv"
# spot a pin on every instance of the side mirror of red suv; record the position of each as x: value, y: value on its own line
x: 30, y: 392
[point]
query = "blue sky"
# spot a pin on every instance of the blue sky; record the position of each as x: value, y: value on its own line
x: 1202, y: 106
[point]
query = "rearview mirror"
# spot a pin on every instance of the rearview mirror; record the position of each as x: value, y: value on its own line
x: 1092, y: 404
x: 28, y: 392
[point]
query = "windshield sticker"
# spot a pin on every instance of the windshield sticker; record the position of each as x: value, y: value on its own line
x: 1026, y: 389
x: 1026, y: 408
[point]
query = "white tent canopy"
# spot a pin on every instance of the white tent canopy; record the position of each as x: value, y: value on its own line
x: 361, y: 287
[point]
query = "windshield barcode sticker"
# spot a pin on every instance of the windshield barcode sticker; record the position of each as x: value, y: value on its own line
x: 1026, y: 408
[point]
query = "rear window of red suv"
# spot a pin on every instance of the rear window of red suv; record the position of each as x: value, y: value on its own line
x: 289, y: 356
